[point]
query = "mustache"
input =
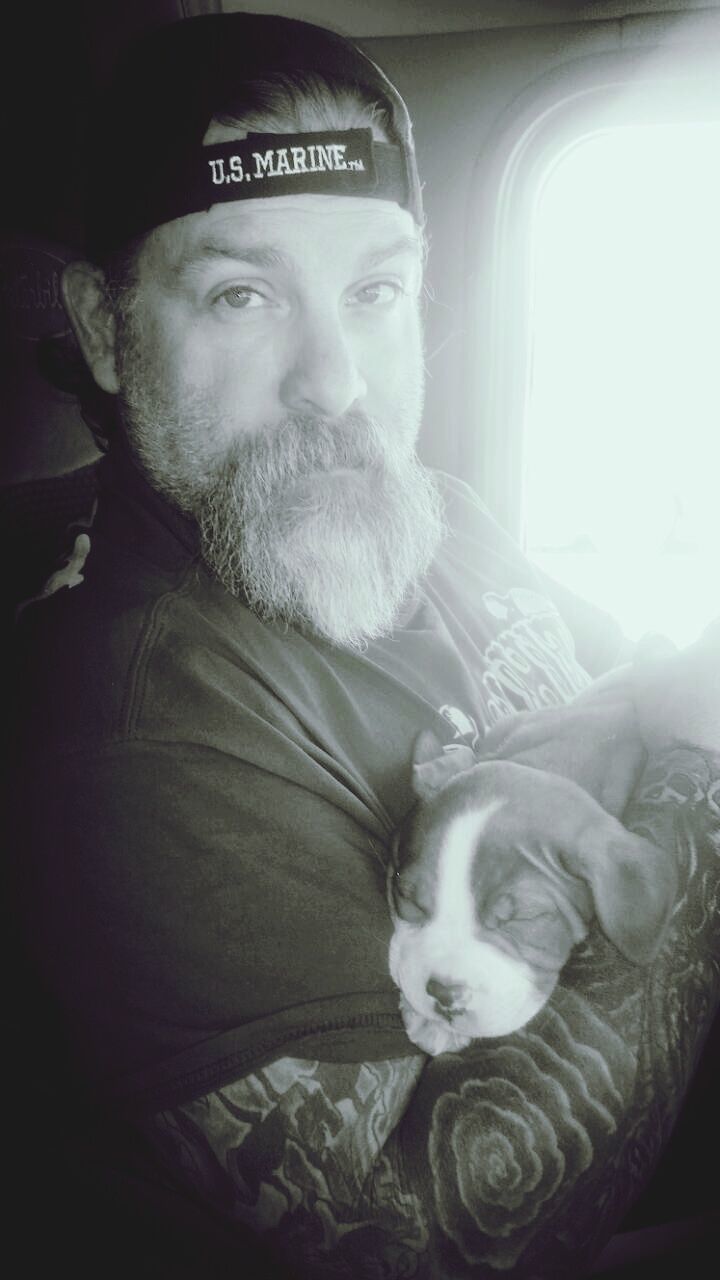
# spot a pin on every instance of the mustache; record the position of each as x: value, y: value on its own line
x: 304, y: 443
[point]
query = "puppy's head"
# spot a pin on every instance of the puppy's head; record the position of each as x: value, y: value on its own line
x: 496, y: 874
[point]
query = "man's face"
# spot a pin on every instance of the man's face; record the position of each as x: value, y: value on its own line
x: 270, y: 367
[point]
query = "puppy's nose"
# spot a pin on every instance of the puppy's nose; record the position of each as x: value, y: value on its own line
x: 447, y: 995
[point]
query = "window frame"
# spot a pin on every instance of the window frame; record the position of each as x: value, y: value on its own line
x: 661, y: 85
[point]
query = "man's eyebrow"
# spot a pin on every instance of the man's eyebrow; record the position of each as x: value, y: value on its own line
x: 259, y: 255
x: 403, y: 245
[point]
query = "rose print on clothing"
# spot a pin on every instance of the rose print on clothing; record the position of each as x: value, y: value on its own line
x: 507, y: 1149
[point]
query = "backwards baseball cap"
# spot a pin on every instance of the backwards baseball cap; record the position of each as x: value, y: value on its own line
x: 147, y: 164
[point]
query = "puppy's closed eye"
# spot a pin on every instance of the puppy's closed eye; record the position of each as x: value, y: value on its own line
x: 498, y: 912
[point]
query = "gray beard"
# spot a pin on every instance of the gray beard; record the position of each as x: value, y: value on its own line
x: 321, y: 525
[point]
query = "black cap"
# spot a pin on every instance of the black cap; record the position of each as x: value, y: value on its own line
x: 147, y: 163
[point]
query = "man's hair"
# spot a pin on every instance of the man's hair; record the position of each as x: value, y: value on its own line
x: 279, y: 102
x: 303, y: 102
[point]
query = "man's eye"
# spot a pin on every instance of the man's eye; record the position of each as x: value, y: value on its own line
x: 377, y: 294
x: 242, y: 298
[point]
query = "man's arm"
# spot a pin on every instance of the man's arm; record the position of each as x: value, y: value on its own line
x: 302, y: 1152
x: 517, y: 1156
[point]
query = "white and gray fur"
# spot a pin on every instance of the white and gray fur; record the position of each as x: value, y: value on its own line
x: 497, y: 873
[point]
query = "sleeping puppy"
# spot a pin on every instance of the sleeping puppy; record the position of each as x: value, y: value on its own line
x: 496, y: 874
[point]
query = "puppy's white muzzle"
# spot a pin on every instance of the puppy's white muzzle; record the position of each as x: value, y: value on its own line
x: 456, y: 988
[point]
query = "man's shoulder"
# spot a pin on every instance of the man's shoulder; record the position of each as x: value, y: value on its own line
x: 462, y: 502
x: 468, y: 516
x: 477, y: 553
x: 134, y: 651
x: 81, y: 644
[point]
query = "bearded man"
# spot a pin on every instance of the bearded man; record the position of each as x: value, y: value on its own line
x: 275, y: 597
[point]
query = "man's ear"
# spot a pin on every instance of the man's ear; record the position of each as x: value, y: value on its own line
x: 433, y: 765
x: 85, y: 299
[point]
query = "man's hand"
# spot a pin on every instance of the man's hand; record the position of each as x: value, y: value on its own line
x: 594, y: 741
x: 602, y: 739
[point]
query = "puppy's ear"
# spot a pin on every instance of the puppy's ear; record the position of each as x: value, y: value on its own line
x: 433, y: 765
x: 633, y: 883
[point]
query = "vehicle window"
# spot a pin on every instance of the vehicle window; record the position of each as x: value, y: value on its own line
x: 622, y: 429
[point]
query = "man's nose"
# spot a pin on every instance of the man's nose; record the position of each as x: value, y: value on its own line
x: 323, y: 376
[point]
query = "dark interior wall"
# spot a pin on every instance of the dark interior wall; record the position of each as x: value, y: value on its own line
x: 43, y: 88
x: 55, y: 51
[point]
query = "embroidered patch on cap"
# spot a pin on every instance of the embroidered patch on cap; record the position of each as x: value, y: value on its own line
x: 327, y: 160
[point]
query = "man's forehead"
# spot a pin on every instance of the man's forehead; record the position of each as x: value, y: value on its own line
x: 283, y: 227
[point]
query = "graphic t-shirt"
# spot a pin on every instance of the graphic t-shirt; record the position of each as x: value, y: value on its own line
x: 207, y: 800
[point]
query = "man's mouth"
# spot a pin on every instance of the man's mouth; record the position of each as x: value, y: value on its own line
x: 333, y: 470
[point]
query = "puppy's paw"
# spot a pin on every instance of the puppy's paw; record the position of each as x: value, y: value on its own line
x: 431, y: 1035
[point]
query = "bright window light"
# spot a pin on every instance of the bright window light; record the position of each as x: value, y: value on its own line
x: 622, y: 446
